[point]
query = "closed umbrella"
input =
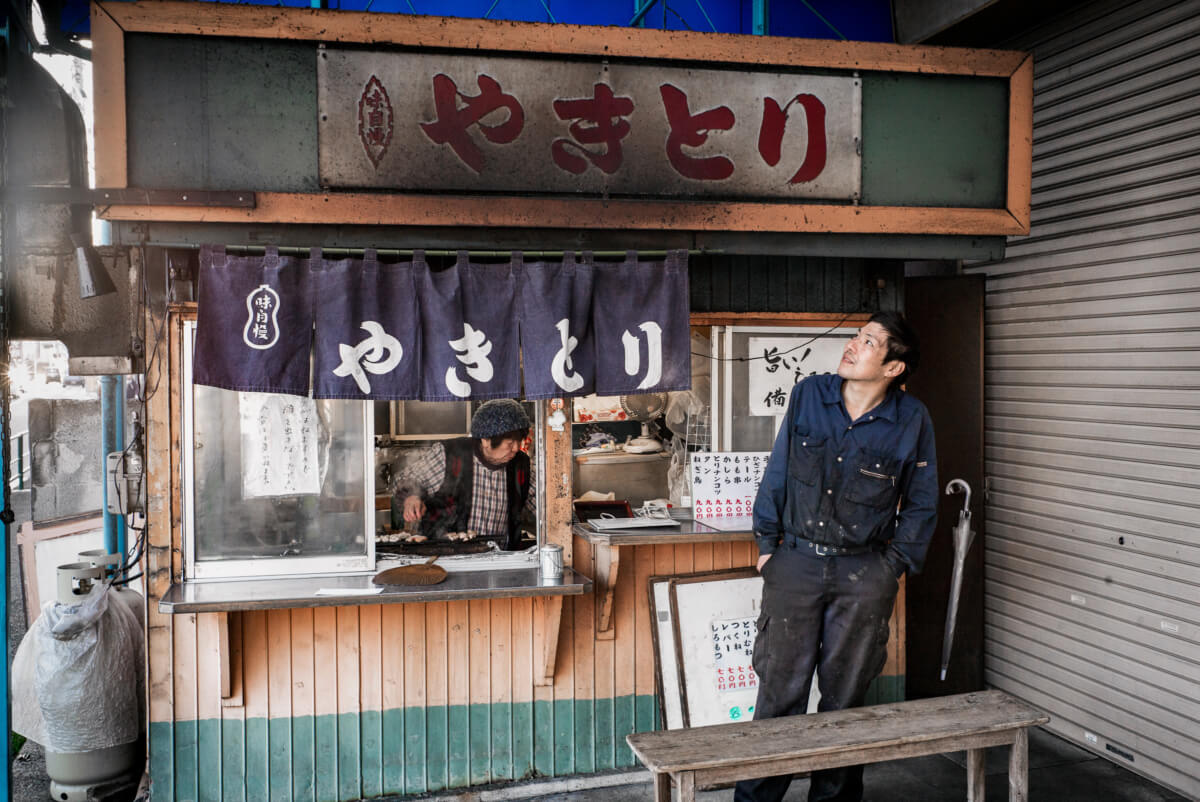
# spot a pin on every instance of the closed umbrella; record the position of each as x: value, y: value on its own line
x: 962, y: 544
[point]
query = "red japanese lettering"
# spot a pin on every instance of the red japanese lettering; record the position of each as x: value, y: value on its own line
x: 691, y: 130
x: 774, y: 122
x: 593, y: 126
x: 374, y: 120
x: 450, y: 127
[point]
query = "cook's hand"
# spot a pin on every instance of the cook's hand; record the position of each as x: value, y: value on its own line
x: 414, y: 508
x: 762, y: 560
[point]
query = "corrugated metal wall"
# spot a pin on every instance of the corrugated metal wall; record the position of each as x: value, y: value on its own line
x: 1093, y: 395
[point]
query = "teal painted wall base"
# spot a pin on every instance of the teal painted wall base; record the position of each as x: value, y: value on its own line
x: 885, y: 689
x: 339, y: 758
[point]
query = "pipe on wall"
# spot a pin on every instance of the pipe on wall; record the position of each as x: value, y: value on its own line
x: 112, y: 438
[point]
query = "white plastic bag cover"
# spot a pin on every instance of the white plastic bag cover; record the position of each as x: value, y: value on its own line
x: 77, y: 675
x: 678, y: 478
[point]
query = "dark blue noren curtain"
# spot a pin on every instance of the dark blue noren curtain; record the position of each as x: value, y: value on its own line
x: 254, y: 323
x: 557, y: 344
x: 367, y: 342
x: 640, y: 313
x: 469, y: 344
x: 405, y: 331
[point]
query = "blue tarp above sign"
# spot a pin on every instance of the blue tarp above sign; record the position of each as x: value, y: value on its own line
x: 855, y: 20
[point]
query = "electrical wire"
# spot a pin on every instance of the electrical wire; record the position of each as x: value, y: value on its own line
x: 133, y: 555
x: 810, y: 341
x: 153, y: 353
x: 126, y: 580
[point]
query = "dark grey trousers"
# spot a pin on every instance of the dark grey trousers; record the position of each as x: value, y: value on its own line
x: 829, y: 614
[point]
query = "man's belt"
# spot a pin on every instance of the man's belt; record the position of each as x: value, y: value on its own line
x: 821, y: 550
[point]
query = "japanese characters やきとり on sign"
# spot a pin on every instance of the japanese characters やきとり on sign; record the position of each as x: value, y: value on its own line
x: 426, y: 121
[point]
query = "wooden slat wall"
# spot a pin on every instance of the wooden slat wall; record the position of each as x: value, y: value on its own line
x: 346, y: 702
x: 349, y: 702
x: 1092, y: 342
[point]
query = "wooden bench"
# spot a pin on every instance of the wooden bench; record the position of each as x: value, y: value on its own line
x: 745, y: 750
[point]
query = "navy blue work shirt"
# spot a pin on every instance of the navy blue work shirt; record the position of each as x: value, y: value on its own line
x: 837, y: 482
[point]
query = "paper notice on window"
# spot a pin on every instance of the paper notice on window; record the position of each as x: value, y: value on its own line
x: 778, y: 363
x: 279, y: 445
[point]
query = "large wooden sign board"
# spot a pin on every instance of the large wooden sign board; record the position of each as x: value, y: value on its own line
x: 394, y: 120
x: 704, y: 628
x: 500, y: 117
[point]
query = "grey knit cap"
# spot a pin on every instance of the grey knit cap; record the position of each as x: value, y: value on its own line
x: 497, y: 417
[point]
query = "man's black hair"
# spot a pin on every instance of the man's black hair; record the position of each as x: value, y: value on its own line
x: 902, y: 343
x: 516, y: 434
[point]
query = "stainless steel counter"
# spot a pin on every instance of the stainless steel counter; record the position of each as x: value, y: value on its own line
x: 275, y: 593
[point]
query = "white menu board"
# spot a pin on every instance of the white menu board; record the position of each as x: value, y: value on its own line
x: 704, y: 646
x: 716, y: 641
x: 733, y: 648
x: 724, y: 484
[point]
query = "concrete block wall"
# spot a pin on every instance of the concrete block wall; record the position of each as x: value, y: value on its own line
x: 66, y: 475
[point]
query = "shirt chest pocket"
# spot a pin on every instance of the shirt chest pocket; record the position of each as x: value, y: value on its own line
x: 806, y: 458
x: 873, y: 480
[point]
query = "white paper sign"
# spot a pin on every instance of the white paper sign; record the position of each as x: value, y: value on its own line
x: 279, y: 445
x: 724, y: 484
x: 778, y: 363
x: 733, y: 648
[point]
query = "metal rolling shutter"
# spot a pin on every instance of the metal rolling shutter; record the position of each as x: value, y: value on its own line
x: 1093, y: 395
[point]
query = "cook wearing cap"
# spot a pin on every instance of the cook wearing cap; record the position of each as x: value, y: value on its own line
x: 479, y: 483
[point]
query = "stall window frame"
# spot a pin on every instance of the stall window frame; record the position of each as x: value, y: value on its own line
x: 233, y: 568
x: 225, y: 569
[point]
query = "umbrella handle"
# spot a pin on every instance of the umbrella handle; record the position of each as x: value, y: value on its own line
x: 960, y: 486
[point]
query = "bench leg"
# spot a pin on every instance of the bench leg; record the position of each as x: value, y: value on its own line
x: 976, y: 779
x: 687, y: 786
x: 662, y: 786
x: 1018, y: 767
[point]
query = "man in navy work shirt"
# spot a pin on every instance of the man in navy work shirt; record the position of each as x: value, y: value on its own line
x: 847, y: 504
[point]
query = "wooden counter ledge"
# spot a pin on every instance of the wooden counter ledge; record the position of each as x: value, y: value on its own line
x: 607, y: 556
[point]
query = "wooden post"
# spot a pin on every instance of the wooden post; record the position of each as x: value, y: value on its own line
x: 976, y: 778
x: 687, y: 786
x: 1018, y: 767
x: 557, y: 481
x: 160, y: 562
x: 662, y: 786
